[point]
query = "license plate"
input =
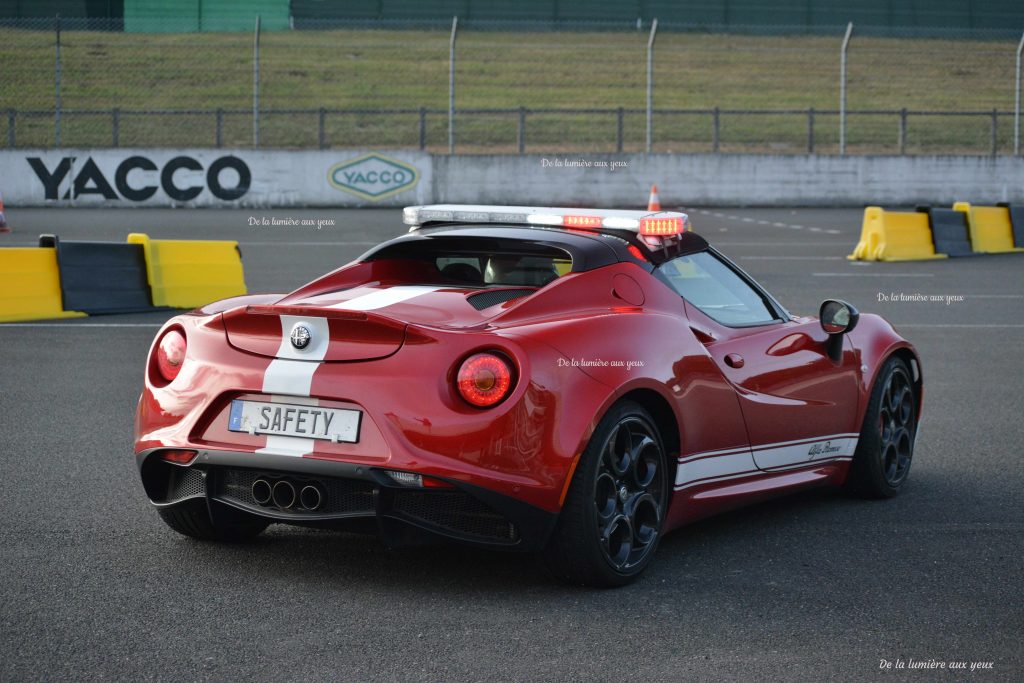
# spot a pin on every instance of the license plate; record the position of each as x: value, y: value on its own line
x: 287, y: 419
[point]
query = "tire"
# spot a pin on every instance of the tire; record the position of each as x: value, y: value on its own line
x: 611, y: 521
x: 885, y: 449
x: 192, y: 519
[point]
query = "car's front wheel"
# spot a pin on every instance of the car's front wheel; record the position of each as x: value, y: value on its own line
x: 611, y: 521
x: 885, y: 449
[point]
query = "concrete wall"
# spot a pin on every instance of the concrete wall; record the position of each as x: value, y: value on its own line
x: 728, y: 179
x: 214, y: 177
x: 352, y: 178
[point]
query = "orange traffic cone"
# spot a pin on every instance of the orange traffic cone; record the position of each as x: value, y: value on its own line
x: 3, y: 219
x: 653, y: 203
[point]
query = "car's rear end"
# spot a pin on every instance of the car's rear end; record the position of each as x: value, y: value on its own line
x: 385, y: 392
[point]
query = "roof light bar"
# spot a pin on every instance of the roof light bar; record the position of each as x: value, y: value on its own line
x: 662, y: 226
x: 646, y: 223
x: 582, y: 221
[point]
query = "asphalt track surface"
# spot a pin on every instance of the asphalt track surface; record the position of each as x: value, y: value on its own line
x: 812, y: 587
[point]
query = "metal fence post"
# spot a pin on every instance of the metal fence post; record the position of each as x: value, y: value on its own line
x: 715, y: 129
x: 115, y: 126
x: 810, y: 130
x: 321, y: 128
x: 619, y: 125
x: 423, y: 127
x: 842, y: 89
x: 903, y: 131
x: 451, y: 86
x: 650, y: 84
x: 1016, y: 100
x: 220, y: 127
x: 256, y: 85
x: 57, y: 104
x: 521, y: 131
x: 11, y: 141
x: 995, y: 132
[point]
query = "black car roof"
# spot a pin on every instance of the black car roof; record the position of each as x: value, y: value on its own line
x: 589, y: 249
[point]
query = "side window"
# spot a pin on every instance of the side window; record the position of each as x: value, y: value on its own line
x: 717, y: 290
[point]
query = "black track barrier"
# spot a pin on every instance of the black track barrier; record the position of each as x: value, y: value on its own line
x: 949, y: 231
x: 1016, y: 223
x: 101, y: 277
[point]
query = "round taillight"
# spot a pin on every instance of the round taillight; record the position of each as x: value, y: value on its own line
x: 484, y: 379
x: 170, y: 354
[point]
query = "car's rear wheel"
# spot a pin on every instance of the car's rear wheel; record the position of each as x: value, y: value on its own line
x: 885, y: 450
x: 611, y: 521
x: 192, y: 518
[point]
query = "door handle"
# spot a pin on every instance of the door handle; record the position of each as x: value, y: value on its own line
x: 734, y: 360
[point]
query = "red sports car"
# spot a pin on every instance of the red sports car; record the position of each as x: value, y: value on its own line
x: 565, y: 381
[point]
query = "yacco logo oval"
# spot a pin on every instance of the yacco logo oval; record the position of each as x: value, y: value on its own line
x: 373, y: 176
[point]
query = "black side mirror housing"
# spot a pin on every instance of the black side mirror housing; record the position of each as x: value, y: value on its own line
x: 837, y: 317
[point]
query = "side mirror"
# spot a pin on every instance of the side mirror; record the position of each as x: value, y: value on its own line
x: 837, y: 318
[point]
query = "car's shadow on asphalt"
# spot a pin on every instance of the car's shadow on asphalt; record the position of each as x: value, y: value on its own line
x: 698, y: 550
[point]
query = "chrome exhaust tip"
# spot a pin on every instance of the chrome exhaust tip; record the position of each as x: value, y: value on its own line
x: 283, y: 494
x: 261, y: 491
x: 310, y: 497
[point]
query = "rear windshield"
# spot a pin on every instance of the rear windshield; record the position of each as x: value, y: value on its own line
x: 501, y: 264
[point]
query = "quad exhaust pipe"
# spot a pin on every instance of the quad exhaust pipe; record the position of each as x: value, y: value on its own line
x: 285, y: 495
x: 261, y: 491
x: 310, y: 497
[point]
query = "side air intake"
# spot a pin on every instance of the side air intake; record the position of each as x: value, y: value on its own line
x: 498, y: 296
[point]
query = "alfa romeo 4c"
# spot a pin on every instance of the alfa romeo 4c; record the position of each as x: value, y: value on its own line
x: 570, y: 382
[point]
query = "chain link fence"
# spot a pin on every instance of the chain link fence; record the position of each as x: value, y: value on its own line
x: 518, y: 88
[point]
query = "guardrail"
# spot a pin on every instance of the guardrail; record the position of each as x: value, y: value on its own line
x: 525, y: 130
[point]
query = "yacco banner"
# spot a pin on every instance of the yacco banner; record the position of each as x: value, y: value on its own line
x: 213, y: 177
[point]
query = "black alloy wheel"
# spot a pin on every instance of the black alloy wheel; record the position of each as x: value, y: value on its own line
x: 611, y: 521
x: 885, y: 448
x: 629, y: 494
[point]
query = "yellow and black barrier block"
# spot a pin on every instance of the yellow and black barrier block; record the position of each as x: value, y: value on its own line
x: 894, y: 236
x: 950, y: 234
x: 101, y: 277
x: 30, y: 285
x: 1016, y: 224
x: 992, y: 228
x: 191, y: 273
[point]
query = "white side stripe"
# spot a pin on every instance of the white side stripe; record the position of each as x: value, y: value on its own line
x: 722, y: 465
x: 384, y: 297
x: 813, y: 439
x: 706, y: 468
x: 691, y: 484
x: 708, y: 454
x: 792, y: 454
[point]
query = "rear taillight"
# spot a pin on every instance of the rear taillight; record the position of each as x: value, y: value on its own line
x: 484, y: 379
x: 170, y: 354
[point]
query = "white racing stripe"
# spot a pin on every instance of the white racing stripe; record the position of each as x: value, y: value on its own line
x: 384, y: 297
x: 714, y: 466
x: 708, y: 454
x: 770, y: 456
x: 289, y: 378
x: 715, y: 480
x: 722, y: 465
